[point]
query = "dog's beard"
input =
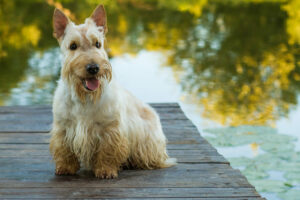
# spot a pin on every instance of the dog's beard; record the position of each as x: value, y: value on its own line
x: 87, y: 88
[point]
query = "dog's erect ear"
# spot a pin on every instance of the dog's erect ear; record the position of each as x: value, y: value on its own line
x: 99, y: 17
x: 60, y: 22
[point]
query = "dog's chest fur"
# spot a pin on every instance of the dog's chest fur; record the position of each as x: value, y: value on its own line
x: 84, y: 124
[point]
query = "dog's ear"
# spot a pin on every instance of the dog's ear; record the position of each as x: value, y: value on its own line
x: 99, y: 17
x: 60, y: 22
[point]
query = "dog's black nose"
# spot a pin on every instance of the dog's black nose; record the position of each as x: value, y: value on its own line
x: 92, y: 68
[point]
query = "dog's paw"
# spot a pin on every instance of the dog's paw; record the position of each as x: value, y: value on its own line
x: 65, y: 170
x: 106, y: 173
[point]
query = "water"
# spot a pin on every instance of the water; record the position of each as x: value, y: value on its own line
x: 233, y: 67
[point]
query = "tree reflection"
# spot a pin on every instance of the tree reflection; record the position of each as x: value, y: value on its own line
x: 240, y: 60
x: 240, y: 65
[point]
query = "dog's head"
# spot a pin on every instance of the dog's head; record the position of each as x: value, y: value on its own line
x: 86, y: 67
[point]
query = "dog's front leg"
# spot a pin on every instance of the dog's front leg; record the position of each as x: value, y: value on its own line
x: 111, y: 154
x: 65, y: 160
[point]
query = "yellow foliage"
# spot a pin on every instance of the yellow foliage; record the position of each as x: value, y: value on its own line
x: 122, y: 26
x: 293, y: 22
x: 239, y: 68
x: 60, y: 6
x: 194, y: 7
x: 297, y: 77
x: 244, y: 91
x: 31, y: 34
x: 255, y: 103
x: 28, y: 35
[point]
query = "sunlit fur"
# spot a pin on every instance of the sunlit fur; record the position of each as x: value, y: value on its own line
x: 105, y: 129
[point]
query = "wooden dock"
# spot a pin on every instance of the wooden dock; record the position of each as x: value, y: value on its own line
x: 27, y: 170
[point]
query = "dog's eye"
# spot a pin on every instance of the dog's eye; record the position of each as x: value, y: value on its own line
x: 73, y: 46
x: 98, y: 44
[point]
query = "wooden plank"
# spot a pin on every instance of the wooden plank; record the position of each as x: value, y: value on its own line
x: 86, y: 192
x: 33, y: 108
x: 194, y: 198
x: 45, y: 163
x: 43, y: 149
x: 27, y: 170
x: 45, y: 152
x: 180, y: 159
x: 42, y: 109
x: 39, y: 118
x: 174, y: 142
x: 168, y: 130
x: 126, y: 179
x: 39, y: 172
x: 169, y: 104
x: 180, y: 145
x: 177, y: 145
x: 29, y: 138
x: 206, y: 154
x: 173, y: 134
x: 46, y: 115
x: 150, y: 198
x: 31, y: 123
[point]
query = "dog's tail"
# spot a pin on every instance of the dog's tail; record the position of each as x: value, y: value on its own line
x: 169, y: 162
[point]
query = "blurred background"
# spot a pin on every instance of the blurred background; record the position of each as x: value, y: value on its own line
x: 233, y: 65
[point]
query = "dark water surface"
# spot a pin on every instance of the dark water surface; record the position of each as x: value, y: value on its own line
x: 233, y: 65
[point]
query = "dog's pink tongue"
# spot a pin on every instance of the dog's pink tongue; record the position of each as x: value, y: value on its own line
x: 92, y: 83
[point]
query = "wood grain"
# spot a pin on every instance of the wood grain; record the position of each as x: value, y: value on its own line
x: 27, y: 170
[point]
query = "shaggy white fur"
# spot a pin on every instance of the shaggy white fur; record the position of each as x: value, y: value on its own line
x: 103, y: 129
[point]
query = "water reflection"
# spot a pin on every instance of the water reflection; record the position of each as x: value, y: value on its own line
x: 241, y: 67
x: 275, y: 169
x: 38, y: 83
x: 237, y: 62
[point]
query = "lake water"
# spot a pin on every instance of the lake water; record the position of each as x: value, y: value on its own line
x: 234, y: 67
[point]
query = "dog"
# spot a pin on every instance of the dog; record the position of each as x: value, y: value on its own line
x: 97, y: 124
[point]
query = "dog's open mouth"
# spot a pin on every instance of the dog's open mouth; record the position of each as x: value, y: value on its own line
x: 91, y: 84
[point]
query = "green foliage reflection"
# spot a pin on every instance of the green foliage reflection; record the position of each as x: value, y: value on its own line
x: 239, y: 59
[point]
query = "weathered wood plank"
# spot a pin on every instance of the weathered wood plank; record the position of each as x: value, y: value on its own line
x: 39, y: 118
x: 175, y: 138
x: 36, y: 138
x: 47, y: 109
x: 165, y: 113
x: 174, y: 142
x: 45, y: 152
x: 172, y: 134
x: 33, y: 108
x: 43, y: 149
x: 190, y: 130
x: 171, y: 198
x: 180, y: 158
x: 46, y: 169
x: 86, y: 192
x: 39, y: 172
x: 128, y: 178
x: 33, y: 124
x: 206, y: 154
x: 27, y: 170
x: 46, y: 163
x: 180, y: 145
